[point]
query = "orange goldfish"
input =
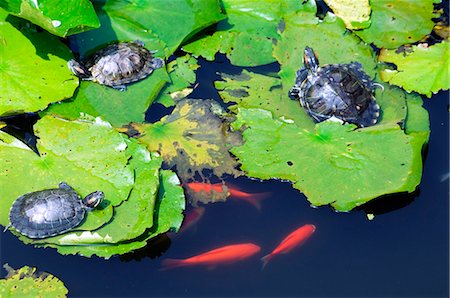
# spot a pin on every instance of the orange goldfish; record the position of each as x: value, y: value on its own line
x: 292, y: 240
x: 251, y: 198
x: 219, y: 256
x: 191, y: 218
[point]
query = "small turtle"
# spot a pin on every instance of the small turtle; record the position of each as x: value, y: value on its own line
x: 117, y: 65
x: 343, y: 91
x: 51, y: 212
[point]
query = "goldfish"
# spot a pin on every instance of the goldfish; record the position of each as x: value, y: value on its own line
x: 191, y: 218
x: 251, y: 198
x: 294, y: 239
x: 223, y: 255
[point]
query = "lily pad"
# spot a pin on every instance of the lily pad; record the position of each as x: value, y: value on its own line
x: 249, y: 40
x: 334, y: 46
x: 61, y: 18
x: 424, y: 69
x: 355, y: 14
x: 394, y: 23
x: 167, y: 216
x: 182, y: 76
x: 88, y: 155
x: 28, y: 282
x: 116, y: 107
x: 33, y: 71
x: 160, y: 24
x: 192, y: 138
x: 273, y: 135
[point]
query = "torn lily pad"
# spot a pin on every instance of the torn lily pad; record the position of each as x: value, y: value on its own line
x: 61, y: 18
x: 423, y: 69
x: 253, y: 30
x: 33, y: 70
x: 182, y: 77
x: 394, y: 23
x: 355, y: 14
x: 193, y: 138
x: 28, y: 282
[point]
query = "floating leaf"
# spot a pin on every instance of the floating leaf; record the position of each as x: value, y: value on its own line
x: 250, y: 39
x: 116, y: 107
x: 61, y: 18
x: 33, y: 71
x: 191, y: 138
x: 161, y: 25
x: 182, y: 76
x: 355, y: 14
x: 392, y: 25
x: 167, y: 216
x: 88, y: 155
x: 424, y: 69
x: 335, y: 45
x: 27, y: 282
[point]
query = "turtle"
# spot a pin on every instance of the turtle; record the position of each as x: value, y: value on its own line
x: 51, y: 212
x: 342, y: 91
x: 117, y: 65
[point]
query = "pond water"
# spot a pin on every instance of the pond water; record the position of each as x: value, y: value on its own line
x: 403, y: 251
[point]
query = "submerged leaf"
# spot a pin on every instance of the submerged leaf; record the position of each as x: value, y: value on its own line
x: 394, y: 23
x: 355, y: 14
x: 28, y: 282
x: 61, y: 18
x: 33, y: 71
x: 424, y: 69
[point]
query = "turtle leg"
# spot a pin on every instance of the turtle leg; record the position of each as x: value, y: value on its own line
x: 139, y: 42
x: 79, y: 69
x: 120, y: 87
x: 64, y: 185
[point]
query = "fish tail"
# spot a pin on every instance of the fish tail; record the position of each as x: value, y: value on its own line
x: 256, y: 199
x: 168, y: 264
x: 266, y: 260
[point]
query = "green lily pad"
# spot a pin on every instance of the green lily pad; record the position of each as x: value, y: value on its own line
x: 424, y: 70
x: 116, y: 107
x: 355, y: 14
x: 394, y: 23
x: 253, y: 29
x: 334, y: 46
x: 160, y: 24
x: 28, y: 282
x: 182, y: 76
x: 193, y: 138
x: 167, y: 216
x: 61, y: 18
x: 88, y: 155
x: 33, y: 71
x: 273, y: 134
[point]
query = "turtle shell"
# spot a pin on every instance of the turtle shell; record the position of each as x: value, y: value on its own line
x: 47, y: 213
x: 343, y: 91
x: 121, y: 63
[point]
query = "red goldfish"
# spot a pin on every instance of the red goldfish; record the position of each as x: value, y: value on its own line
x: 251, y: 198
x: 292, y: 240
x: 191, y: 218
x: 223, y: 255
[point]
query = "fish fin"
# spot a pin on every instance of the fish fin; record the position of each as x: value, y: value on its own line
x: 168, y: 264
x: 255, y: 199
x: 266, y: 260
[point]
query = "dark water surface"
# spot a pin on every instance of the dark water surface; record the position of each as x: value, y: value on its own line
x: 403, y: 252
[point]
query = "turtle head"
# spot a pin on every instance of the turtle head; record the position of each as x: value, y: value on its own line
x: 94, y: 199
x: 310, y: 59
x: 79, y: 69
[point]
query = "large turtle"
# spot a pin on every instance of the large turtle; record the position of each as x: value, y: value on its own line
x: 343, y: 91
x: 51, y: 212
x: 117, y: 65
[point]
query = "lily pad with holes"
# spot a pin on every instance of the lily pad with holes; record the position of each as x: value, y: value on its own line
x: 28, y: 282
x: 423, y: 69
